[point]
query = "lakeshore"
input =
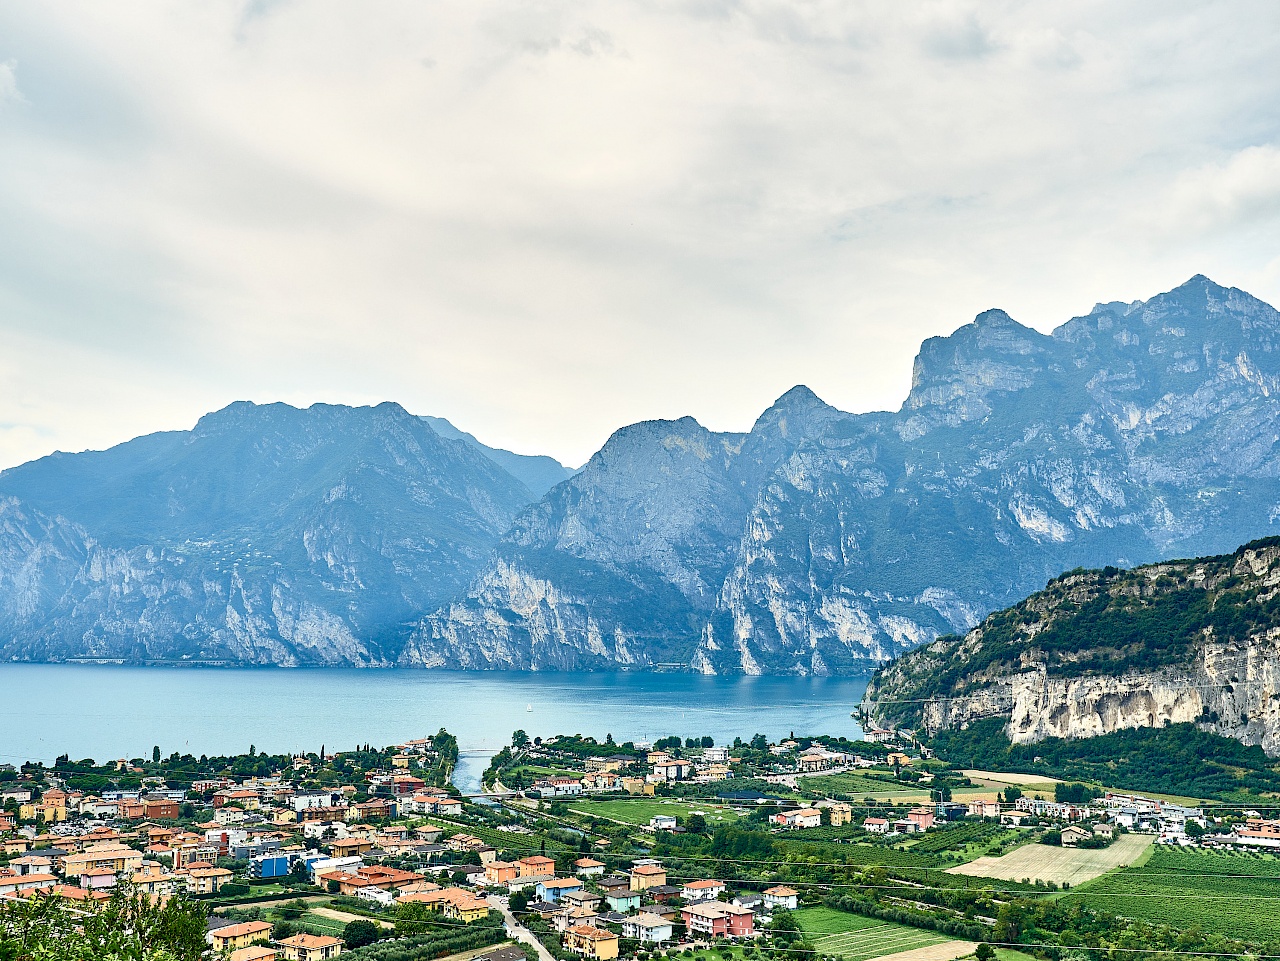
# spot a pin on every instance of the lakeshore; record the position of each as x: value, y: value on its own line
x: 109, y: 711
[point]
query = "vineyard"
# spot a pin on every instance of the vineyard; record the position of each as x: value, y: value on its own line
x: 855, y: 938
x: 1237, y: 895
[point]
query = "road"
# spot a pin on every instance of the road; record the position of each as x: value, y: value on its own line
x: 518, y: 931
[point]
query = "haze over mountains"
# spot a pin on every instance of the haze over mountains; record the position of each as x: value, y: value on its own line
x: 818, y: 542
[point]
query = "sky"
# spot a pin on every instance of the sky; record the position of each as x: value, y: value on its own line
x: 547, y: 220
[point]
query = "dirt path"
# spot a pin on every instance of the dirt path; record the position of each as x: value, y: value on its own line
x: 947, y: 951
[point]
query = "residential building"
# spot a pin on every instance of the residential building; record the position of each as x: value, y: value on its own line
x: 663, y: 822
x: 840, y: 812
x: 202, y: 879
x: 781, y: 896
x: 588, y: 867
x: 647, y: 929
x: 587, y: 900
x: 923, y: 817
x: 717, y: 919
x: 673, y: 770
x: 19, y: 883
x: 647, y: 876
x: 257, y: 952
x: 707, y: 890
x: 555, y: 888
x: 268, y: 866
x: 799, y: 818
x: 984, y: 809
x: 592, y: 942
x: 234, y: 936
x: 537, y: 865
x: 310, y: 947
x: 876, y: 825
x: 501, y: 872
x: 623, y: 900
x: 1073, y: 834
x: 110, y: 855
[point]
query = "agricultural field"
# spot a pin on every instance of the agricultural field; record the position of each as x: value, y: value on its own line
x: 1041, y: 862
x: 640, y: 810
x: 861, y: 785
x: 855, y: 938
x: 1236, y: 895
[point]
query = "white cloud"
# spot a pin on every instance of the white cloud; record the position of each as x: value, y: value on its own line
x: 544, y: 220
x: 9, y: 82
x: 1244, y: 189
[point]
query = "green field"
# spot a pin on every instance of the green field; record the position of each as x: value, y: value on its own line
x: 855, y: 938
x: 860, y: 785
x: 1237, y: 895
x: 639, y: 810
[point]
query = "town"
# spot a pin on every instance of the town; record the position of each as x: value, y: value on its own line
x: 580, y: 847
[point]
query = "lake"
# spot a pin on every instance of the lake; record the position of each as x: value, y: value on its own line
x: 108, y: 711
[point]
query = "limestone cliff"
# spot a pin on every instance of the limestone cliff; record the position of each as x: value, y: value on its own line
x: 1097, y: 651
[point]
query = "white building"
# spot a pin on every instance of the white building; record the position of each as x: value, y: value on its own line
x: 647, y: 928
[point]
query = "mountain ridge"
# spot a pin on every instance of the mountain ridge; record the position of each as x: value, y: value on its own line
x: 817, y: 542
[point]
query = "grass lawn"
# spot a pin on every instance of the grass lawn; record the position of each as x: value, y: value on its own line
x: 1237, y: 895
x: 641, y: 809
x: 855, y: 938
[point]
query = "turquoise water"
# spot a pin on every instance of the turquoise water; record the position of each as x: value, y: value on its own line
x: 104, y: 711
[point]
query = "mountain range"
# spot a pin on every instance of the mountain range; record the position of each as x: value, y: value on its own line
x: 818, y: 542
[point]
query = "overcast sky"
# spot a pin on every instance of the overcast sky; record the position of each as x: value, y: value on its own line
x: 546, y: 220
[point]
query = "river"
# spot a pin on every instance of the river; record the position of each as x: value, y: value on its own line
x: 108, y: 711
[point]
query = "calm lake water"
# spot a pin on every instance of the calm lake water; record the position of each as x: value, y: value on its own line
x: 103, y: 711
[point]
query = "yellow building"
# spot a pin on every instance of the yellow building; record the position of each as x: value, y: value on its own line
x: 310, y: 947
x: 592, y: 942
x: 648, y: 876
x: 236, y: 936
x: 110, y: 856
x: 50, y: 812
x: 206, y: 880
x: 259, y: 952
x: 453, y: 903
x: 841, y: 814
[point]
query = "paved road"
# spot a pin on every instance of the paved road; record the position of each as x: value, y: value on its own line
x: 518, y: 931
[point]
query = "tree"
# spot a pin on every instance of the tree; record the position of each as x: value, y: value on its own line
x: 333, y: 887
x: 155, y: 754
x: 128, y: 925
x: 1011, y: 794
x: 985, y: 952
x: 519, y: 740
x: 359, y: 933
x: 519, y: 902
x: 696, y: 824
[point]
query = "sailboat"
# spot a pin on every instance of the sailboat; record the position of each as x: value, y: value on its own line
x: 529, y: 708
